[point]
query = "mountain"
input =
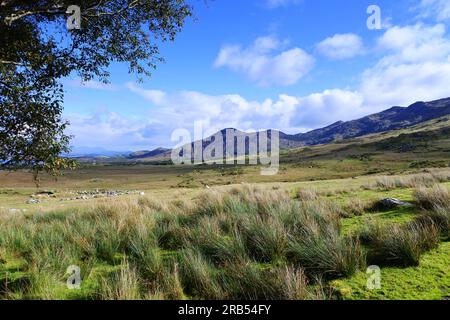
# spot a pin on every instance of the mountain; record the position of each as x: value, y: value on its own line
x: 149, y: 154
x: 392, y: 119
x: 87, y: 152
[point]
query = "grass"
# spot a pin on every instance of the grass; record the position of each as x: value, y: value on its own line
x: 400, y: 245
x: 218, y: 248
x: 243, y: 242
x: 429, y: 281
x: 437, y: 203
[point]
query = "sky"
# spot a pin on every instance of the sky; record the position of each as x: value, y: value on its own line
x: 292, y: 65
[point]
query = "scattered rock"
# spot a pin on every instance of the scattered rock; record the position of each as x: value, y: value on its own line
x: 84, y: 195
x: 46, y: 193
x: 390, y: 203
x: 34, y: 201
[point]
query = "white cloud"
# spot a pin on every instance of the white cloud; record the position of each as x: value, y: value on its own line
x: 324, y: 108
x: 92, y: 84
x: 417, y: 43
x: 280, y: 3
x: 265, y: 62
x: 108, y: 130
x: 341, y: 46
x: 416, y: 67
x: 181, y: 110
x: 440, y: 9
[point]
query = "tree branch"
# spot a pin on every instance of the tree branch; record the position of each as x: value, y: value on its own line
x: 12, y: 62
x: 129, y: 5
x: 19, y: 15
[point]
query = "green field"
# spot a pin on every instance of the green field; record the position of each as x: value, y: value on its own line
x: 226, y: 232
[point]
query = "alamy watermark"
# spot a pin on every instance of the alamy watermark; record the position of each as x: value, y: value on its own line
x: 74, y: 279
x: 74, y: 20
x: 228, y: 147
x: 374, y: 280
x: 374, y: 20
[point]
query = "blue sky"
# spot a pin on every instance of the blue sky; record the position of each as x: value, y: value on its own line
x: 292, y: 65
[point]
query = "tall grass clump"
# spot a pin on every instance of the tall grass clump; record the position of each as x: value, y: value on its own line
x: 326, y: 254
x: 199, y: 277
x: 436, y: 202
x: 266, y: 238
x: 430, y: 198
x: 400, y: 245
x: 221, y: 248
x: 250, y: 281
x: 426, y: 179
x: 316, y: 245
x: 244, y: 243
x: 121, y: 285
x: 356, y: 207
x: 307, y: 195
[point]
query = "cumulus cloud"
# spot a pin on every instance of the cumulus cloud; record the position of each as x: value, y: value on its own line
x: 440, y: 9
x: 417, y: 43
x: 416, y: 66
x: 180, y: 110
x: 266, y: 63
x: 107, y: 129
x: 341, y: 46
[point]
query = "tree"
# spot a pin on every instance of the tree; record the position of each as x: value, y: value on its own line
x: 37, y: 50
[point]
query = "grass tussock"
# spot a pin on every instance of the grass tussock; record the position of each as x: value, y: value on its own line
x: 235, y: 244
x: 244, y: 243
x: 436, y: 202
x: 427, y: 179
x: 307, y: 195
x: 402, y: 245
x: 357, y: 207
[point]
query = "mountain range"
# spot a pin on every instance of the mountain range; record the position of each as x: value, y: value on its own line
x: 391, y: 119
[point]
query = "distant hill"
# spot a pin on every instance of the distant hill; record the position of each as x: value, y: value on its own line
x: 88, y: 152
x: 149, y: 154
x: 394, y: 118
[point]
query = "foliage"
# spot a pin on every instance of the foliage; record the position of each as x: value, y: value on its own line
x: 37, y: 51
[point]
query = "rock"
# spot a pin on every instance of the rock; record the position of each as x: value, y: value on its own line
x: 46, y: 193
x: 142, y: 193
x: 390, y: 203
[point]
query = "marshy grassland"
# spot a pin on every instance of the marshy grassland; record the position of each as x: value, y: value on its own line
x: 278, y: 240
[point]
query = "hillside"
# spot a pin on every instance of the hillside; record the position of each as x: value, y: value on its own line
x: 393, y: 119
x: 390, y: 120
